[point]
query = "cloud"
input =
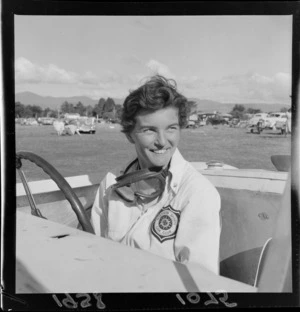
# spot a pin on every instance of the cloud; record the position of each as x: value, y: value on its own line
x: 89, y: 78
x: 159, y: 68
x: 110, y: 83
x: 244, y: 88
x: 255, y: 87
x: 28, y: 72
x: 248, y: 87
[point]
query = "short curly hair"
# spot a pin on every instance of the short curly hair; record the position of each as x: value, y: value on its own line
x: 157, y: 93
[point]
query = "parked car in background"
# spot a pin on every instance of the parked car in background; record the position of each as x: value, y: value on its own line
x: 20, y: 121
x: 217, y: 119
x: 272, y: 118
x: 86, y: 125
x: 203, y: 117
x: 46, y: 120
x: 227, y: 117
x: 30, y: 122
x: 69, y: 116
x: 256, y: 118
x: 214, y: 118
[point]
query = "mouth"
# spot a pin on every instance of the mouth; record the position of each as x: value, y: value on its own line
x: 161, y: 151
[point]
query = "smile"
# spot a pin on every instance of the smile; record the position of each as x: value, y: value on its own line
x: 162, y: 151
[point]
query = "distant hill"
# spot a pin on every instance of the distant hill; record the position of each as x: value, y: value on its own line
x: 30, y: 98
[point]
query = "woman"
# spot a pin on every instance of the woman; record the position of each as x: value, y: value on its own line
x: 159, y: 202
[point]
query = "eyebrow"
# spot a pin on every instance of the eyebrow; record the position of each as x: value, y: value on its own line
x: 153, y: 127
x: 174, y: 124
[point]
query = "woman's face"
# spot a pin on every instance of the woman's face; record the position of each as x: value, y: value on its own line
x: 156, y: 136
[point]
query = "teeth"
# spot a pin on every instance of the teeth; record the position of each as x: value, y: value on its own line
x: 160, y: 151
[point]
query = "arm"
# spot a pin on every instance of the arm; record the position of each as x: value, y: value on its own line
x: 198, y: 235
x: 99, y: 211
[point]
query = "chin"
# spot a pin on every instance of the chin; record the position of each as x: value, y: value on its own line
x: 160, y: 161
x: 159, y: 164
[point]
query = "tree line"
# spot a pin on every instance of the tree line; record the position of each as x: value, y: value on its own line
x: 105, y: 108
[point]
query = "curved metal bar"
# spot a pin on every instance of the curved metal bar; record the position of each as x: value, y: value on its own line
x: 63, y: 186
x: 34, y: 210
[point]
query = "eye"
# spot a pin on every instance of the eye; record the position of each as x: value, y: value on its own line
x: 148, y: 130
x: 173, y: 128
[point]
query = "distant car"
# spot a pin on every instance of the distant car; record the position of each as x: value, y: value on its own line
x: 272, y: 118
x: 20, y: 121
x: 213, y: 118
x: 31, y: 122
x: 69, y: 116
x: 46, y: 120
x: 217, y: 120
x: 86, y: 125
x: 256, y: 118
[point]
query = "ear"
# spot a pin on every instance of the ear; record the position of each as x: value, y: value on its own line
x: 129, y: 138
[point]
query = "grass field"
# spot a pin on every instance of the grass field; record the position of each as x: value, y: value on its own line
x: 108, y: 148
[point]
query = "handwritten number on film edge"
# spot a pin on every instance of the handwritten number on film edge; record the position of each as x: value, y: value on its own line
x: 194, y: 298
x: 213, y: 300
x: 224, y: 298
x: 70, y: 303
x: 86, y: 302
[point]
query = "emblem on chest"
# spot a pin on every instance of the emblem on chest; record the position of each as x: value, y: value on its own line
x: 165, y: 224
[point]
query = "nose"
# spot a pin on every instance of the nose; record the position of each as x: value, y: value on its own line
x: 161, y: 139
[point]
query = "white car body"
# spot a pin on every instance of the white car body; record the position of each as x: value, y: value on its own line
x: 30, y: 122
x: 54, y: 256
x: 87, y: 125
x: 272, y: 118
x: 46, y: 120
x: 254, y: 120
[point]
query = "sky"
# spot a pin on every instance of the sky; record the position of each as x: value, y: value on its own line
x: 230, y: 59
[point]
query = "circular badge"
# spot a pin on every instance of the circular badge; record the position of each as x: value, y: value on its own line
x: 165, y: 224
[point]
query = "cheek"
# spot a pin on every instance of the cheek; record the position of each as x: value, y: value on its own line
x: 175, y: 137
x: 143, y: 140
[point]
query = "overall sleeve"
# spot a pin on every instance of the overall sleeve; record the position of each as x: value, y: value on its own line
x: 99, y: 211
x: 198, y: 234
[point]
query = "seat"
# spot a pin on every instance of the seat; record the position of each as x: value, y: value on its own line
x: 281, y: 162
x: 275, y: 269
x: 243, y: 267
x: 269, y: 268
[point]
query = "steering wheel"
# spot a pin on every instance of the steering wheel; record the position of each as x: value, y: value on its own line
x: 61, y: 183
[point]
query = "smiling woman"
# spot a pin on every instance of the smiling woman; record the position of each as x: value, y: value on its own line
x: 177, y: 219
